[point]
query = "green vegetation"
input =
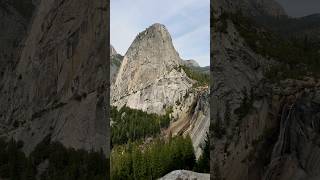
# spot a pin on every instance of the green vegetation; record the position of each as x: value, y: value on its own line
x: 116, y: 60
x: 292, y: 27
x: 62, y: 164
x: 201, y: 78
x: 13, y: 162
x: 298, y: 56
x: 130, y: 124
x: 151, y: 161
x: 131, y: 158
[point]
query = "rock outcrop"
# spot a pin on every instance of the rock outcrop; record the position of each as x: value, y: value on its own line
x: 57, y: 85
x: 185, y: 175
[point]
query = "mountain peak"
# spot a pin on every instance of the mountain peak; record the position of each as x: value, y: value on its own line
x: 153, y: 44
x: 156, y: 31
x: 158, y: 25
x: 151, y: 57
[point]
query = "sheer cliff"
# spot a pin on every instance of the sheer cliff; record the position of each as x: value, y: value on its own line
x: 53, y: 81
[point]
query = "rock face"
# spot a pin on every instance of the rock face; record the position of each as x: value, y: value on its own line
x: 260, y: 129
x: 192, y: 117
x: 58, y: 86
x: 149, y: 78
x: 296, y: 152
x: 185, y: 175
x: 13, y: 29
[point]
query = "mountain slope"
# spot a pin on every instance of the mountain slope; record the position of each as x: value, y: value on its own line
x: 261, y: 117
x: 250, y: 7
x: 300, y: 28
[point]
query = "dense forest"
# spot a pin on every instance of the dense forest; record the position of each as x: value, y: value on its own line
x: 134, y: 158
x: 202, y: 78
x: 151, y: 161
x: 57, y: 162
x: 298, y: 56
x: 130, y: 124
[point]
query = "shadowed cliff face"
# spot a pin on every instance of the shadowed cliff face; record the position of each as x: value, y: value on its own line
x: 296, y: 153
x: 261, y: 128
x: 58, y: 85
x: 13, y: 29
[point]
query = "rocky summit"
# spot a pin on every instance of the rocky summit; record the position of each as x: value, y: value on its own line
x: 149, y: 78
x: 53, y: 80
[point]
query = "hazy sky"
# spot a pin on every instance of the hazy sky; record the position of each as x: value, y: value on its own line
x: 188, y: 22
x: 298, y: 8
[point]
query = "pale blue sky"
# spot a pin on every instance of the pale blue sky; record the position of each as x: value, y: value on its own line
x: 188, y: 22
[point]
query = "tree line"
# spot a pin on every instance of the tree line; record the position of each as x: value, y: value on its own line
x: 131, y: 124
x: 151, y: 161
x: 201, y: 77
x: 298, y: 55
x: 58, y: 162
